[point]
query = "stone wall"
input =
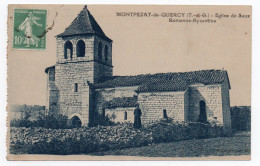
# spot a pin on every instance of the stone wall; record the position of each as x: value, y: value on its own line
x: 217, y: 103
x: 102, y: 68
x: 186, y: 105
x: 226, y: 108
x: 109, y: 46
x: 153, y: 104
x: 104, y: 95
x: 118, y: 114
x: 52, y: 92
x: 91, y: 104
x: 103, y: 138
x: 211, y: 94
x: 89, y: 49
x: 71, y: 102
x: 79, y: 70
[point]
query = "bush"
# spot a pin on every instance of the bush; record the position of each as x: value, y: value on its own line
x: 52, y: 121
x: 102, y: 138
x: 101, y: 120
x: 21, y: 123
x: 241, y: 118
x: 57, y: 121
x: 174, y: 131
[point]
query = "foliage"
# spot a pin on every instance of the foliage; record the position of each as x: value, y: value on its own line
x: 165, y: 131
x: 20, y: 123
x: 53, y: 121
x: 241, y: 118
x: 22, y: 108
x: 103, y: 120
x: 103, y: 138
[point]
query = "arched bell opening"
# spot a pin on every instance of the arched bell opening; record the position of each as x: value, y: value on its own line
x: 68, y: 50
x: 81, y: 48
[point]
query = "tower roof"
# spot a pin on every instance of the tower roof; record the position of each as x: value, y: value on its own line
x: 83, y: 24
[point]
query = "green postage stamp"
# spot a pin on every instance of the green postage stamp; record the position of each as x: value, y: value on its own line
x: 29, y: 29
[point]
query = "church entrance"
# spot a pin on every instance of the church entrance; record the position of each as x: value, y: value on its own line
x: 203, y: 114
x: 76, y: 122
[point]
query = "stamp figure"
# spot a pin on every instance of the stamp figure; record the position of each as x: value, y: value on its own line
x: 29, y: 25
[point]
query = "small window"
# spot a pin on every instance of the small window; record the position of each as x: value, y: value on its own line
x: 125, y: 117
x: 165, y: 114
x: 76, y: 87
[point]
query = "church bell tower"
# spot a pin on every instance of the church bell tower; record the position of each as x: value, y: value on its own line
x: 84, y: 56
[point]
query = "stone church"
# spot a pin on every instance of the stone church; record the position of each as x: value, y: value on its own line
x: 81, y: 83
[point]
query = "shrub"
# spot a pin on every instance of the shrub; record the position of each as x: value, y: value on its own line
x: 241, y: 118
x: 53, y: 121
x: 164, y: 131
x: 101, y: 120
x: 20, y: 123
x: 102, y: 138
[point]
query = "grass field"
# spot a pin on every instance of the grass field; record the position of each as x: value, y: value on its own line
x: 237, y: 145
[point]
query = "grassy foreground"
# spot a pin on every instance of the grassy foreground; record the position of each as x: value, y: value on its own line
x: 237, y: 145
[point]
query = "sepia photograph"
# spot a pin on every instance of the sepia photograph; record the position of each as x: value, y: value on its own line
x: 129, y: 82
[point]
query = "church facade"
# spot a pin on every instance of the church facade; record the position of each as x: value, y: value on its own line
x: 81, y: 84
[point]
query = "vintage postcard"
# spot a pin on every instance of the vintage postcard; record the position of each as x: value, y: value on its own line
x: 129, y: 82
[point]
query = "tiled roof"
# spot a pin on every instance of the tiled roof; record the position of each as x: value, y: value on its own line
x: 122, y: 102
x: 84, y: 23
x: 165, y: 81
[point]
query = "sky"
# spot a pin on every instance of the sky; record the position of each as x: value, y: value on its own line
x: 143, y: 45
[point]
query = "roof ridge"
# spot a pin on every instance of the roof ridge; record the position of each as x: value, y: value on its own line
x: 168, y: 73
x: 88, y: 14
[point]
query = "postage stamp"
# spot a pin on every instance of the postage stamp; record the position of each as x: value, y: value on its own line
x: 129, y: 82
x: 29, y: 29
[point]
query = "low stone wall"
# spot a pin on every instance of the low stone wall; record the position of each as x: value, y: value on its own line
x: 103, y: 138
